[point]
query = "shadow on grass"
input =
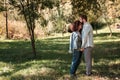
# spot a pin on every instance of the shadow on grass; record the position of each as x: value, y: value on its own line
x: 106, y: 57
x: 107, y: 34
x: 17, y: 53
x: 21, y: 51
x: 55, y: 50
x: 33, y: 77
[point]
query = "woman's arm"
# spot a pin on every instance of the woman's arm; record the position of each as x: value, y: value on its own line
x: 70, y: 44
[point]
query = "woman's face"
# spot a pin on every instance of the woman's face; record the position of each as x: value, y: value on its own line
x: 81, y: 20
x: 80, y: 27
x: 71, y: 27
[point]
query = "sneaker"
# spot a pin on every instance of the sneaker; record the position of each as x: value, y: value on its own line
x: 73, y: 76
x: 88, y: 74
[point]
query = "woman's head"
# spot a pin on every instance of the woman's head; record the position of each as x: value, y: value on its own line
x: 77, y: 26
x: 70, y: 28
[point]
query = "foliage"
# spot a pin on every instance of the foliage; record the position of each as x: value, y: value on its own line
x: 30, y: 10
x: 88, y: 7
x: 94, y: 9
x: 2, y: 8
x: 59, y: 21
x: 98, y: 25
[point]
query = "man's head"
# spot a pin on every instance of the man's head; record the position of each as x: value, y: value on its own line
x: 83, y: 18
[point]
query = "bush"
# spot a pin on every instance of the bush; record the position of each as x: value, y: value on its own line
x: 18, y: 30
x: 97, y: 25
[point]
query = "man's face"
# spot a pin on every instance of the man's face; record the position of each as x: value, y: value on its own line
x: 81, y: 20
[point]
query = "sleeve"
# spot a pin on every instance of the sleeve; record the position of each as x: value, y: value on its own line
x: 75, y: 42
x: 85, y: 33
x: 70, y: 45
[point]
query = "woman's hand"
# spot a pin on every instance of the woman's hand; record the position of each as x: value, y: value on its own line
x: 70, y: 52
x: 81, y: 49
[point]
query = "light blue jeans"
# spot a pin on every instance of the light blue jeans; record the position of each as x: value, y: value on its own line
x: 76, y: 59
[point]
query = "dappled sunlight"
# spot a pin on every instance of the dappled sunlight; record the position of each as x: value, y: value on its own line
x: 4, y: 78
x: 6, y: 68
x: 107, y: 40
x: 54, y: 51
x: 53, y: 61
x: 5, y: 46
x: 34, y: 68
x: 43, y: 71
x: 46, y: 71
x: 102, y: 37
x: 35, y: 39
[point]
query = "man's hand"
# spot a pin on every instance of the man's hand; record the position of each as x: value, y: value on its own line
x: 81, y: 49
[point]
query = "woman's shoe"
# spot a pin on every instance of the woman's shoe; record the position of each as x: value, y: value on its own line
x: 73, y: 76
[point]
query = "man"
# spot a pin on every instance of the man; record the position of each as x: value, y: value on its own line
x: 87, y: 43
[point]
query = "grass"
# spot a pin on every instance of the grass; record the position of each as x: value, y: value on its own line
x: 53, y: 61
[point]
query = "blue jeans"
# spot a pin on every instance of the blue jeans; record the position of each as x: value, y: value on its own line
x: 75, y: 61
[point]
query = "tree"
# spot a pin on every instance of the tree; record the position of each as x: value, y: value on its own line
x: 6, y: 15
x: 4, y: 7
x: 30, y: 10
x: 59, y: 19
x: 96, y: 8
x: 61, y: 16
x: 105, y: 6
x: 88, y: 7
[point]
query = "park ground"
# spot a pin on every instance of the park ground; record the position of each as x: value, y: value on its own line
x: 53, y: 60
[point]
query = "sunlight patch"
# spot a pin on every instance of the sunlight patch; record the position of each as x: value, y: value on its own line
x: 46, y: 71
x: 5, y: 70
x: 31, y: 71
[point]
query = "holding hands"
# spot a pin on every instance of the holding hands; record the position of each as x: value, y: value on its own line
x: 81, y: 49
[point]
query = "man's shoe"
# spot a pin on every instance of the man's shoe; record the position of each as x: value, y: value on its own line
x: 88, y: 74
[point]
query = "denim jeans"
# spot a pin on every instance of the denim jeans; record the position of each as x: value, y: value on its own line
x: 75, y: 61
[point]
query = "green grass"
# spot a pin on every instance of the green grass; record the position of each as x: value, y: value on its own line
x: 53, y: 61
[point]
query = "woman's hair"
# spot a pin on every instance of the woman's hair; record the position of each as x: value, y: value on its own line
x: 76, y: 24
x: 70, y: 27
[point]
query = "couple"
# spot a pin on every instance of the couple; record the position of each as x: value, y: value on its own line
x: 81, y: 41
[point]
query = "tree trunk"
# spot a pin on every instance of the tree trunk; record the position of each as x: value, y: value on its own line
x: 110, y: 30
x: 30, y: 26
x: 6, y: 15
x: 7, y: 24
x: 33, y: 43
x: 96, y: 29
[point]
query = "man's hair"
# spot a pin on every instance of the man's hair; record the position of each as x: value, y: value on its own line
x: 83, y: 17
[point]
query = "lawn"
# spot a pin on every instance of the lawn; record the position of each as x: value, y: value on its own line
x: 53, y: 60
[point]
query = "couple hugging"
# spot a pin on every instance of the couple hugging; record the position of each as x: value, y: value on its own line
x: 81, y: 41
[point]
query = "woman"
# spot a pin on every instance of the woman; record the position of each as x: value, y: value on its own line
x: 75, y: 45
